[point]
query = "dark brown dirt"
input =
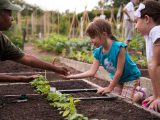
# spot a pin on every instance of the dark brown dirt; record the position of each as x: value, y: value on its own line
x: 103, y: 109
x: 9, y: 67
x: 37, y: 108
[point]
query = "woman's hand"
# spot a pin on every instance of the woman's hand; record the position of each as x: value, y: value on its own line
x: 104, y: 90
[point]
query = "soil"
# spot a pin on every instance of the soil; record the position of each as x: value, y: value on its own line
x: 37, y: 108
x: 12, y: 67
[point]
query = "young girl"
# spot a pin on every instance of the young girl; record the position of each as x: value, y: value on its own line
x: 148, y: 24
x: 112, y: 55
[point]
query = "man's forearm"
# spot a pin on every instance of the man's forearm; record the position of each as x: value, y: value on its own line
x: 35, y: 62
x: 7, y: 78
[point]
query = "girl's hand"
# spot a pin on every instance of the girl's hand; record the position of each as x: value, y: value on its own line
x: 104, y: 90
x: 155, y: 105
x: 66, y: 77
x: 148, y: 101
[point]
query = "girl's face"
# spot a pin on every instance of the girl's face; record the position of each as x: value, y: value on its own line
x: 96, y: 41
x: 142, y: 26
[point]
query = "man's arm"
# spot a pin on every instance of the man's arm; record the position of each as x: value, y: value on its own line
x: 8, y: 78
x: 35, y: 62
x: 126, y: 12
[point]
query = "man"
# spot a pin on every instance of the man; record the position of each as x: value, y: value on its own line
x: 129, y: 10
x: 8, y: 51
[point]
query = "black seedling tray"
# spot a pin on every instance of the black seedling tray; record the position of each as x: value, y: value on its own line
x: 107, y: 98
x: 77, y: 90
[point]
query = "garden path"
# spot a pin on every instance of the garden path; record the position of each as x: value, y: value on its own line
x: 29, y: 48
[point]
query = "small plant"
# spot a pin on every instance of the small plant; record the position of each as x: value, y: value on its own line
x: 40, y: 80
x: 41, y: 84
x: 63, y: 102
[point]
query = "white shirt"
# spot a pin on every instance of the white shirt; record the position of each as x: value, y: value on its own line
x: 150, y: 39
x: 130, y: 10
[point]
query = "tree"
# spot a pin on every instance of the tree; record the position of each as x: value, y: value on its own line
x: 117, y: 3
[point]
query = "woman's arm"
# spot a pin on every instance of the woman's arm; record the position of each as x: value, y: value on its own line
x: 91, y: 72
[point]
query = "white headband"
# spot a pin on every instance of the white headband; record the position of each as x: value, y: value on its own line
x: 137, y: 13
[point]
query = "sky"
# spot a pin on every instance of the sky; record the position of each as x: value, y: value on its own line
x: 62, y: 5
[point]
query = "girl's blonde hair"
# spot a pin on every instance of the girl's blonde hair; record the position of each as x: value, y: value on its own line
x: 99, y: 26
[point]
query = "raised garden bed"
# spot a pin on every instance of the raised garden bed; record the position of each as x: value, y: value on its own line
x: 37, y: 107
x: 104, y: 109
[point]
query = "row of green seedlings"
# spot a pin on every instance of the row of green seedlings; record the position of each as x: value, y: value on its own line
x: 65, y: 103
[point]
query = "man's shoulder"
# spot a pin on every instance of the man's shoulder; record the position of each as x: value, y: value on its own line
x: 130, y: 3
x: 3, y: 36
x: 1, y: 33
x: 4, y: 40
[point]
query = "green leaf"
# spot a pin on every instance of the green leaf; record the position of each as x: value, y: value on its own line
x: 61, y: 112
x: 65, y: 113
x: 76, y: 101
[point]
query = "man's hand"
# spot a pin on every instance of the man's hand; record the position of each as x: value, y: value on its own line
x: 62, y: 70
x: 26, y: 78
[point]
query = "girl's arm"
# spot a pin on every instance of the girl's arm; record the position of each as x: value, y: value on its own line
x: 120, y: 67
x: 154, y: 71
x: 155, y: 68
x: 91, y: 72
x: 118, y: 74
